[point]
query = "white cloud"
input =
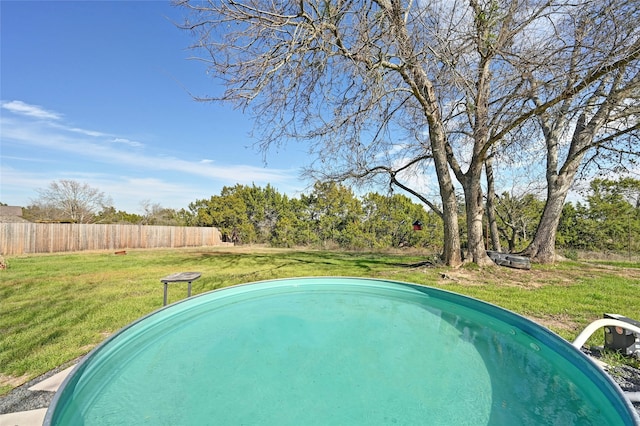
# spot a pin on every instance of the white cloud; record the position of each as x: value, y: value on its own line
x: 107, y: 162
x: 134, y: 144
x: 93, y: 149
x: 53, y: 119
x: 92, y: 133
x: 23, y: 108
x: 27, y: 159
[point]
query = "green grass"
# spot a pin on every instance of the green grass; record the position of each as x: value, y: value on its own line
x: 616, y: 263
x: 55, y: 308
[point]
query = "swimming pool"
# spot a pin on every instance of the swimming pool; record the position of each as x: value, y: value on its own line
x: 336, y: 350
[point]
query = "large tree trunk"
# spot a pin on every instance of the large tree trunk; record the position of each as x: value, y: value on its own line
x: 451, y: 253
x: 471, y: 180
x: 543, y: 247
x: 491, y: 206
x: 475, y: 211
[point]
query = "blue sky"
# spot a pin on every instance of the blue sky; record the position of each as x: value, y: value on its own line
x: 98, y: 92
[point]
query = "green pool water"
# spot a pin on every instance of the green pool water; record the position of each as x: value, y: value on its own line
x: 336, y: 351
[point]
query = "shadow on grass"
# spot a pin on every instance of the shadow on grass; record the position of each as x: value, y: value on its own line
x: 418, y: 264
x: 299, y: 263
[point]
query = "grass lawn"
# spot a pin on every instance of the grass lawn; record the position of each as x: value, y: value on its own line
x: 55, y: 308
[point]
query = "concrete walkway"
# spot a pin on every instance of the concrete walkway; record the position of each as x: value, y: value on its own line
x: 35, y: 417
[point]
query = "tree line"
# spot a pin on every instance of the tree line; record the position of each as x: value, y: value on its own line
x: 331, y: 216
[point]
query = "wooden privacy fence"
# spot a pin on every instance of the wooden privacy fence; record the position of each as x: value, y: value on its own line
x: 19, y: 238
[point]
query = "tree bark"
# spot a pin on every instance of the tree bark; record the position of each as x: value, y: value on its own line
x: 476, y: 248
x: 452, y: 251
x: 471, y: 180
x: 491, y: 205
x: 543, y: 246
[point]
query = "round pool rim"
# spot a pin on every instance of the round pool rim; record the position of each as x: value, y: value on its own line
x: 561, y: 346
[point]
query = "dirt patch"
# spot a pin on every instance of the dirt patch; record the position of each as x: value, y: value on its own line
x: 535, y: 278
x: 496, y: 276
x: 87, y: 348
x: 13, y: 380
x: 619, y: 270
x: 556, y: 322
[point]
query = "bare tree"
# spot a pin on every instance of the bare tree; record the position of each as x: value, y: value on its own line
x: 492, y: 219
x: 597, y: 127
x: 70, y: 200
x: 155, y: 214
x: 383, y: 87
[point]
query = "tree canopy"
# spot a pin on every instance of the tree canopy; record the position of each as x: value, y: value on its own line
x: 329, y: 216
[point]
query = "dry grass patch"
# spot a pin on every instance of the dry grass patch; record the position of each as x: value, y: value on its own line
x: 558, y: 323
x: 13, y: 381
x: 498, y: 276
